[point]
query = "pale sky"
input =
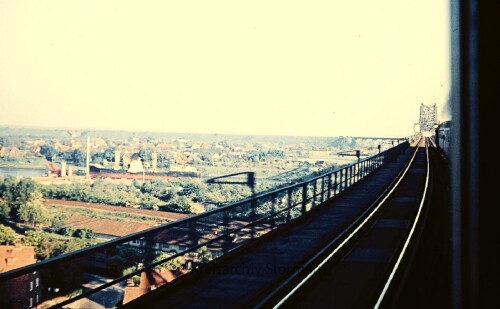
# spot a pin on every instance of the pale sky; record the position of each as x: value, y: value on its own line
x: 324, y: 68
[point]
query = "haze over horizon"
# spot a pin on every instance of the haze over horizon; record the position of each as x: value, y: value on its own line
x: 180, y: 133
x: 260, y: 68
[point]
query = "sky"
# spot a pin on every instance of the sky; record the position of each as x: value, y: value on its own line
x: 307, y: 68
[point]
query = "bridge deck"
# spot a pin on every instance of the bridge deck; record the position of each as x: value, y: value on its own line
x: 244, y: 277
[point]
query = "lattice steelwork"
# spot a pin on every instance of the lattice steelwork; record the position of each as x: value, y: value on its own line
x: 428, y: 117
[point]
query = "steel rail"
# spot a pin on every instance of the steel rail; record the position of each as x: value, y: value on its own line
x: 410, y: 235
x: 311, y: 261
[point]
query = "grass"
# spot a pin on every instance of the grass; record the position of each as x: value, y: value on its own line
x: 102, y: 214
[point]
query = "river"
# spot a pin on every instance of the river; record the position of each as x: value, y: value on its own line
x: 21, y: 172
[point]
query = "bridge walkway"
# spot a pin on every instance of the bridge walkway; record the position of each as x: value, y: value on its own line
x: 244, y: 277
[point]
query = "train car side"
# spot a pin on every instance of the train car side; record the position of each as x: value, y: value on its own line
x: 443, y: 137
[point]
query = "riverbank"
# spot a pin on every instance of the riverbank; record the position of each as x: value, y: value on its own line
x: 21, y: 172
x: 23, y: 165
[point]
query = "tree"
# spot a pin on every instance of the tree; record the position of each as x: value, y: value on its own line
x: 207, y: 158
x: 78, y: 157
x: 204, y: 255
x: 164, y: 160
x: 33, y: 213
x: 84, y: 233
x: 97, y: 157
x: 66, y: 231
x: 4, y: 208
x: 48, y: 151
x: 191, y: 189
x: 109, y: 154
x: 183, y: 204
x: 28, y: 206
x: 146, y: 155
x: 196, y: 208
x: 175, y: 264
x: 150, y: 202
x: 22, y: 201
x: 32, y: 238
x: 7, y: 235
x: 58, y: 220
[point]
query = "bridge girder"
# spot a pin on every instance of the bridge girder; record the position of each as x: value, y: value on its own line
x: 428, y: 117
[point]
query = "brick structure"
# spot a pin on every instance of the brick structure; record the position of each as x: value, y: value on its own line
x: 24, y: 291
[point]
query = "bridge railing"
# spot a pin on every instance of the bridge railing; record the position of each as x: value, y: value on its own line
x: 162, y: 253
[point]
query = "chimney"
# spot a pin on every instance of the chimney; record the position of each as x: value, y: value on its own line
x: 117, y: 159
x: 63, y: 168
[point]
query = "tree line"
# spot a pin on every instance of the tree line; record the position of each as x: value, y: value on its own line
x: 21, y: 206
x: 22, y: 201
x: 177, y: 196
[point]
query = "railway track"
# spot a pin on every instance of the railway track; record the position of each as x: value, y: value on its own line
x: 363, y: 268
x: 341, y: 255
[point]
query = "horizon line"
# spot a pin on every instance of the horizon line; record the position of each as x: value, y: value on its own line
x: 55, y: 128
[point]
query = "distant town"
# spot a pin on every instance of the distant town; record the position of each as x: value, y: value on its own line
x: 62, y: 160
x: 210, y: 155
x: 62, y: 190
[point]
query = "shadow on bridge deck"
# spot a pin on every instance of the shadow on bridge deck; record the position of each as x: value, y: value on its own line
x: 244, y: 277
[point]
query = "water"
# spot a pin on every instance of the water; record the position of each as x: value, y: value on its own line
x: 21, y: 172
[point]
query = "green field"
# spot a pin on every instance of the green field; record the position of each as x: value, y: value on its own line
x: 101, y: 214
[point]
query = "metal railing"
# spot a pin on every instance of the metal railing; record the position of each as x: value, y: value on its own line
x: 189, y: 242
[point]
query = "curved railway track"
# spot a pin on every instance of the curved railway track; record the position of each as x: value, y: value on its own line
x: 364, y: 267
x: 347, y: 254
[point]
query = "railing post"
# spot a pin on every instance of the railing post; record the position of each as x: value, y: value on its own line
x: 273, y: 210
x: 288, y: 217
x: 253, y: 215
x: 329, y: 186
x: 355, y: 172
x: 227, y: 240
x: 358, y: 154
x: 322, y: 190
x: 304, y: 198
x: 253, y: 203
x: 341, y: 181
x: 336, y: 185
x: 344, y: 179
x: 314, y: 193
x: 192, y: 233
